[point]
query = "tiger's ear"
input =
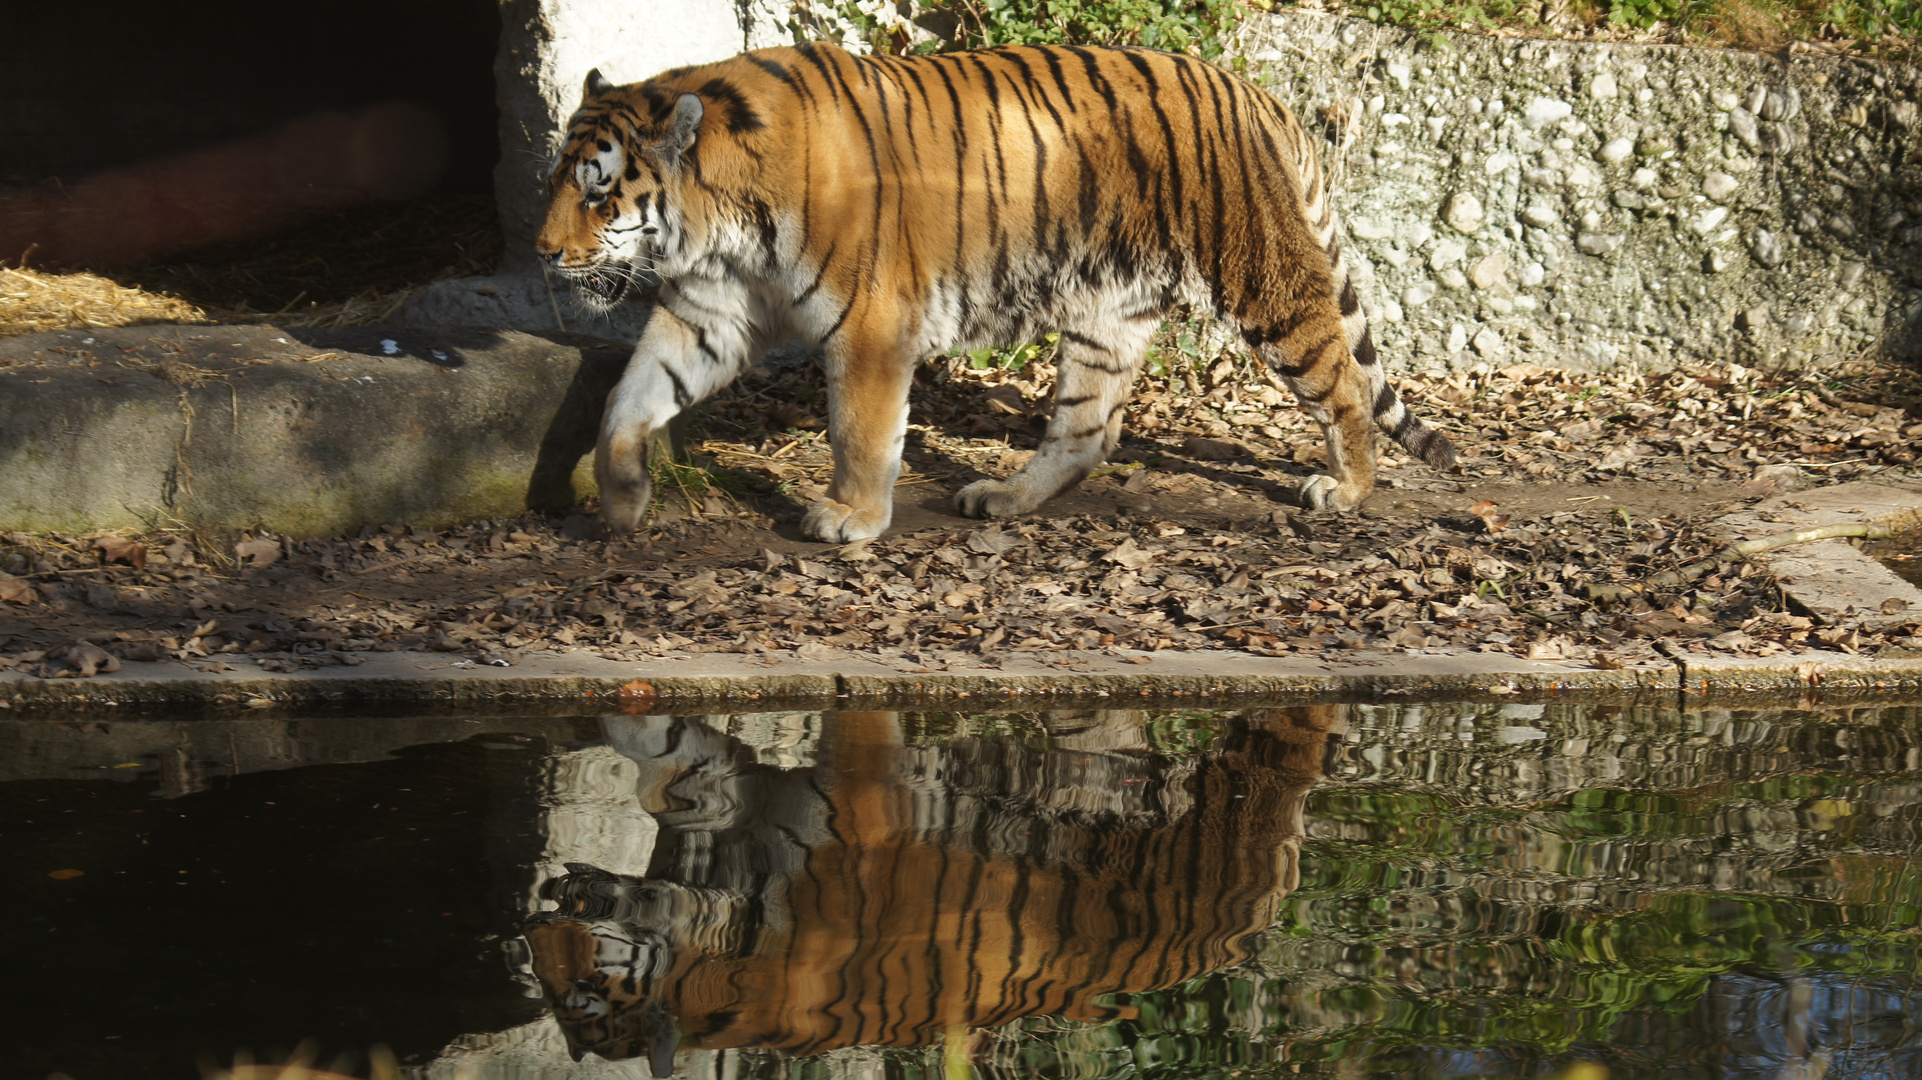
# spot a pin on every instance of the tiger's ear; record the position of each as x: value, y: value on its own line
x: 596, y: 85
x: 682, y: 128
x: 664, y: 1039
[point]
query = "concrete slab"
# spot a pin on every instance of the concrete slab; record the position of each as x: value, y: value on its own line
x: 1838, y: 585
x: 582, y: 682
x: 307, y: 432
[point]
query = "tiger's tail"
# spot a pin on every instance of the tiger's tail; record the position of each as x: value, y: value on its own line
x: 1391, y: 416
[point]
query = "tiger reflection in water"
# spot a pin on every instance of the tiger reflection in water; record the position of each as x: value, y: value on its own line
x: 893, y: 894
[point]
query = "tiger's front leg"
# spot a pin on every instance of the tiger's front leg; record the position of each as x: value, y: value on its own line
x: 867, y: 423
x: 674, y: 365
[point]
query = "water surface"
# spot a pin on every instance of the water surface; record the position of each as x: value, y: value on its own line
x: 1339, y: 890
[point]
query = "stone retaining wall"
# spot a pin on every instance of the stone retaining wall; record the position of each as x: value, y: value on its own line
x: 1582, y: 205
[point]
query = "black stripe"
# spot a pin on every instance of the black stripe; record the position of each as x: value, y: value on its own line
x: 774, y: 68
x: 1386, y: 401
x: 1085, y: 341
x: 1365, y: 350
x: 681, y: 396
x: 1053, y: 57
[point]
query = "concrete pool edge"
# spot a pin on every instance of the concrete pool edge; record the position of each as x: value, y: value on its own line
x: 851, y: 680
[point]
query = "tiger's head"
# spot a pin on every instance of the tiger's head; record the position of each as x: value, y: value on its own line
x: 617, y: 204
x: 617, y: 961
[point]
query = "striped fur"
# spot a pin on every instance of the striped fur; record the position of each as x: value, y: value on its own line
x: 892, y: 894
x: 888, y: 208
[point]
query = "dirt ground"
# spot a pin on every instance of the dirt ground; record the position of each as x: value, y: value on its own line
x: 1187, y: 540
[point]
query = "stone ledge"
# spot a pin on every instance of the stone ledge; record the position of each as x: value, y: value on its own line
x: 1835, y: 583
x: 584, y: 683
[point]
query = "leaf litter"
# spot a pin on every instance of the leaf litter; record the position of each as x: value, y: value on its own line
x: 1581, y: 500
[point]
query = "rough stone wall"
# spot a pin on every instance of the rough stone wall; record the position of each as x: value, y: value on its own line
x: 1583, y: 205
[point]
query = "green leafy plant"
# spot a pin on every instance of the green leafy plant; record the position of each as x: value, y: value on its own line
x: 1195, y: 26
x: 1014, y: 359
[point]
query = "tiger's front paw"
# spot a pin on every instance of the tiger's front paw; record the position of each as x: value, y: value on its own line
x: 991, y: 498
x: 839, y: 523
x: 1324, y: 492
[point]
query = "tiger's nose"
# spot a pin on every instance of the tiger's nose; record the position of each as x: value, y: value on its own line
x: 551, y: 258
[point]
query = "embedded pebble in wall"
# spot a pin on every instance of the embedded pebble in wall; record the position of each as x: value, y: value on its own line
x: 1582, y: 176
x: 1851, y: 274
x: 1724, y: 99
x: 1541, y: 213
x: 1644, y: 178
x: 1369, y: 229
x: 1453, y: 278
x: 1766, y: 248
x: 1653, y: 146
x: 1780, y: 105
x: 1842, y: 227
x: 1709, y: 219
x: 1742, y: 123
x: 1602, y: 87
x: 1489, y: 343
x: 1629, y: 200
x: 1806, y: 222
x: 1599, y: 244
x: 1714, y: 262
x: 1399, y: 73
x: 1490, y: 270
x: 1718, y: 185
x: 1419, y: 293
x: 1457, y: 338
x: 1446, y: 252
x: 1464, y: 212
x: 1546, y: 110
x: 1420, y: 233
x: 1533, y: 274
x: 1615, y: 151
x: 1498, y: 164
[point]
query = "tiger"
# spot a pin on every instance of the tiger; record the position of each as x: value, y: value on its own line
x: 888, y: 209
x: 895, y: 894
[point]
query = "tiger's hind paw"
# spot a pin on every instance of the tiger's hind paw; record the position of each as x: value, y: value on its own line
x: 992, y: 498
x: 1323, y: 492
x: 839, y: 523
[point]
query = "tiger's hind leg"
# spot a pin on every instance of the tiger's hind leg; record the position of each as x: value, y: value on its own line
x: 1093, y: 376
x: 1309, y: 348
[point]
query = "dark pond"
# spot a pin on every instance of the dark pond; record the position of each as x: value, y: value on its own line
x: 1334, y: 891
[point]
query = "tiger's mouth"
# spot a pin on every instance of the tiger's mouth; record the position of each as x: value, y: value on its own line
x: 602, y: 286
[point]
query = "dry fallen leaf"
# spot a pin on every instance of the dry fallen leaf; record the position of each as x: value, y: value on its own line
x: 16, y: 590
x: 1216, y: 449
x: 637, y: 696
x: 120, y: 549
x: 1491, y: 520
x: 262, y: 552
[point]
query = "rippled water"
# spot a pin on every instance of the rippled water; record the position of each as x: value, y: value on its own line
x: 1338, y: 891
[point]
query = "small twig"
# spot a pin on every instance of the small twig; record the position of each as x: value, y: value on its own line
x: 1741, y: 552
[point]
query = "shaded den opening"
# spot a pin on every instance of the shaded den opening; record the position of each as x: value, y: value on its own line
x: 241, y: 161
